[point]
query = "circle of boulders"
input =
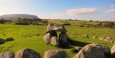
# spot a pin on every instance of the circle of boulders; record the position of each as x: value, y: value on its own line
x: 7, y: 54
x: 88, y: 51
x: 55, y: 54
x: 52, y: 37
x: 27, y: 53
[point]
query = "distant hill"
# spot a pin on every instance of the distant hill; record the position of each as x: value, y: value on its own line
x: 16, y: 16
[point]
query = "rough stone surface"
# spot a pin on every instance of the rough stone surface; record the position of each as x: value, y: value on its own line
x: 58, y: 27
x: 27, y: 53
x: 7, y: 54
x: 107, y: 51
x: 63, y: 37
x: 90, y: 51
x: 54, y: 41
x: 63, y: 29
x: 47, y: 38
x: 55, y: 54
x: 113, y: 50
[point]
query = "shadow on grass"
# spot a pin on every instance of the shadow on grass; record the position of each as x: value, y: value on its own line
x: 76, y: 43
x: 72, y: 43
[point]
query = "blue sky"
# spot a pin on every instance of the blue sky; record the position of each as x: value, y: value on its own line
x: 61, y: 9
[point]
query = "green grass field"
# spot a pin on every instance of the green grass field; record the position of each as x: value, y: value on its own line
x: 31, y: 36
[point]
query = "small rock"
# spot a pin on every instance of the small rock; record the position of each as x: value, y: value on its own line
x: 94, y: 37
x: 2, y: 41
x: 9, y: 39
x: 85, y: 36
x: 108, y: 39
x: 101, y: 38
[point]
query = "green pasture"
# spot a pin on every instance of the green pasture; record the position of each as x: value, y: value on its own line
x: 31, y: 36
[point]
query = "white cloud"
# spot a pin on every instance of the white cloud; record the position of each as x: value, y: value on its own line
x: 111, y: 10
x: 81, y: 11
x: 112, y: 6
x: 71, y: 13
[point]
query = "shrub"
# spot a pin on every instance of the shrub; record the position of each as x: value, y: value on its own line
x: 25, y: 21
x: 107, y: 24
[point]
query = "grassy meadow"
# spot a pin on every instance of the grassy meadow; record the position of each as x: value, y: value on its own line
x: 31, y: 36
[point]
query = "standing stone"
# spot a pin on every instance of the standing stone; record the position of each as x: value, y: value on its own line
x: 27, y: 53
x: 54, y: 41
x: 91, y: 51
x: 7, y: 54
x: 55, y: 54
x: 47, y: 38
x: 63, y: 38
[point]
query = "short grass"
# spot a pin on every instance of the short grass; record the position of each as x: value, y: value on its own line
x: 31, y: 36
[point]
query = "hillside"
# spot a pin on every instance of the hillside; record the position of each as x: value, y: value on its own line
x: 15, y: 16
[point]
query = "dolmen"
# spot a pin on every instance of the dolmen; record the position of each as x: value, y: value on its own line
x: 51, y: 36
